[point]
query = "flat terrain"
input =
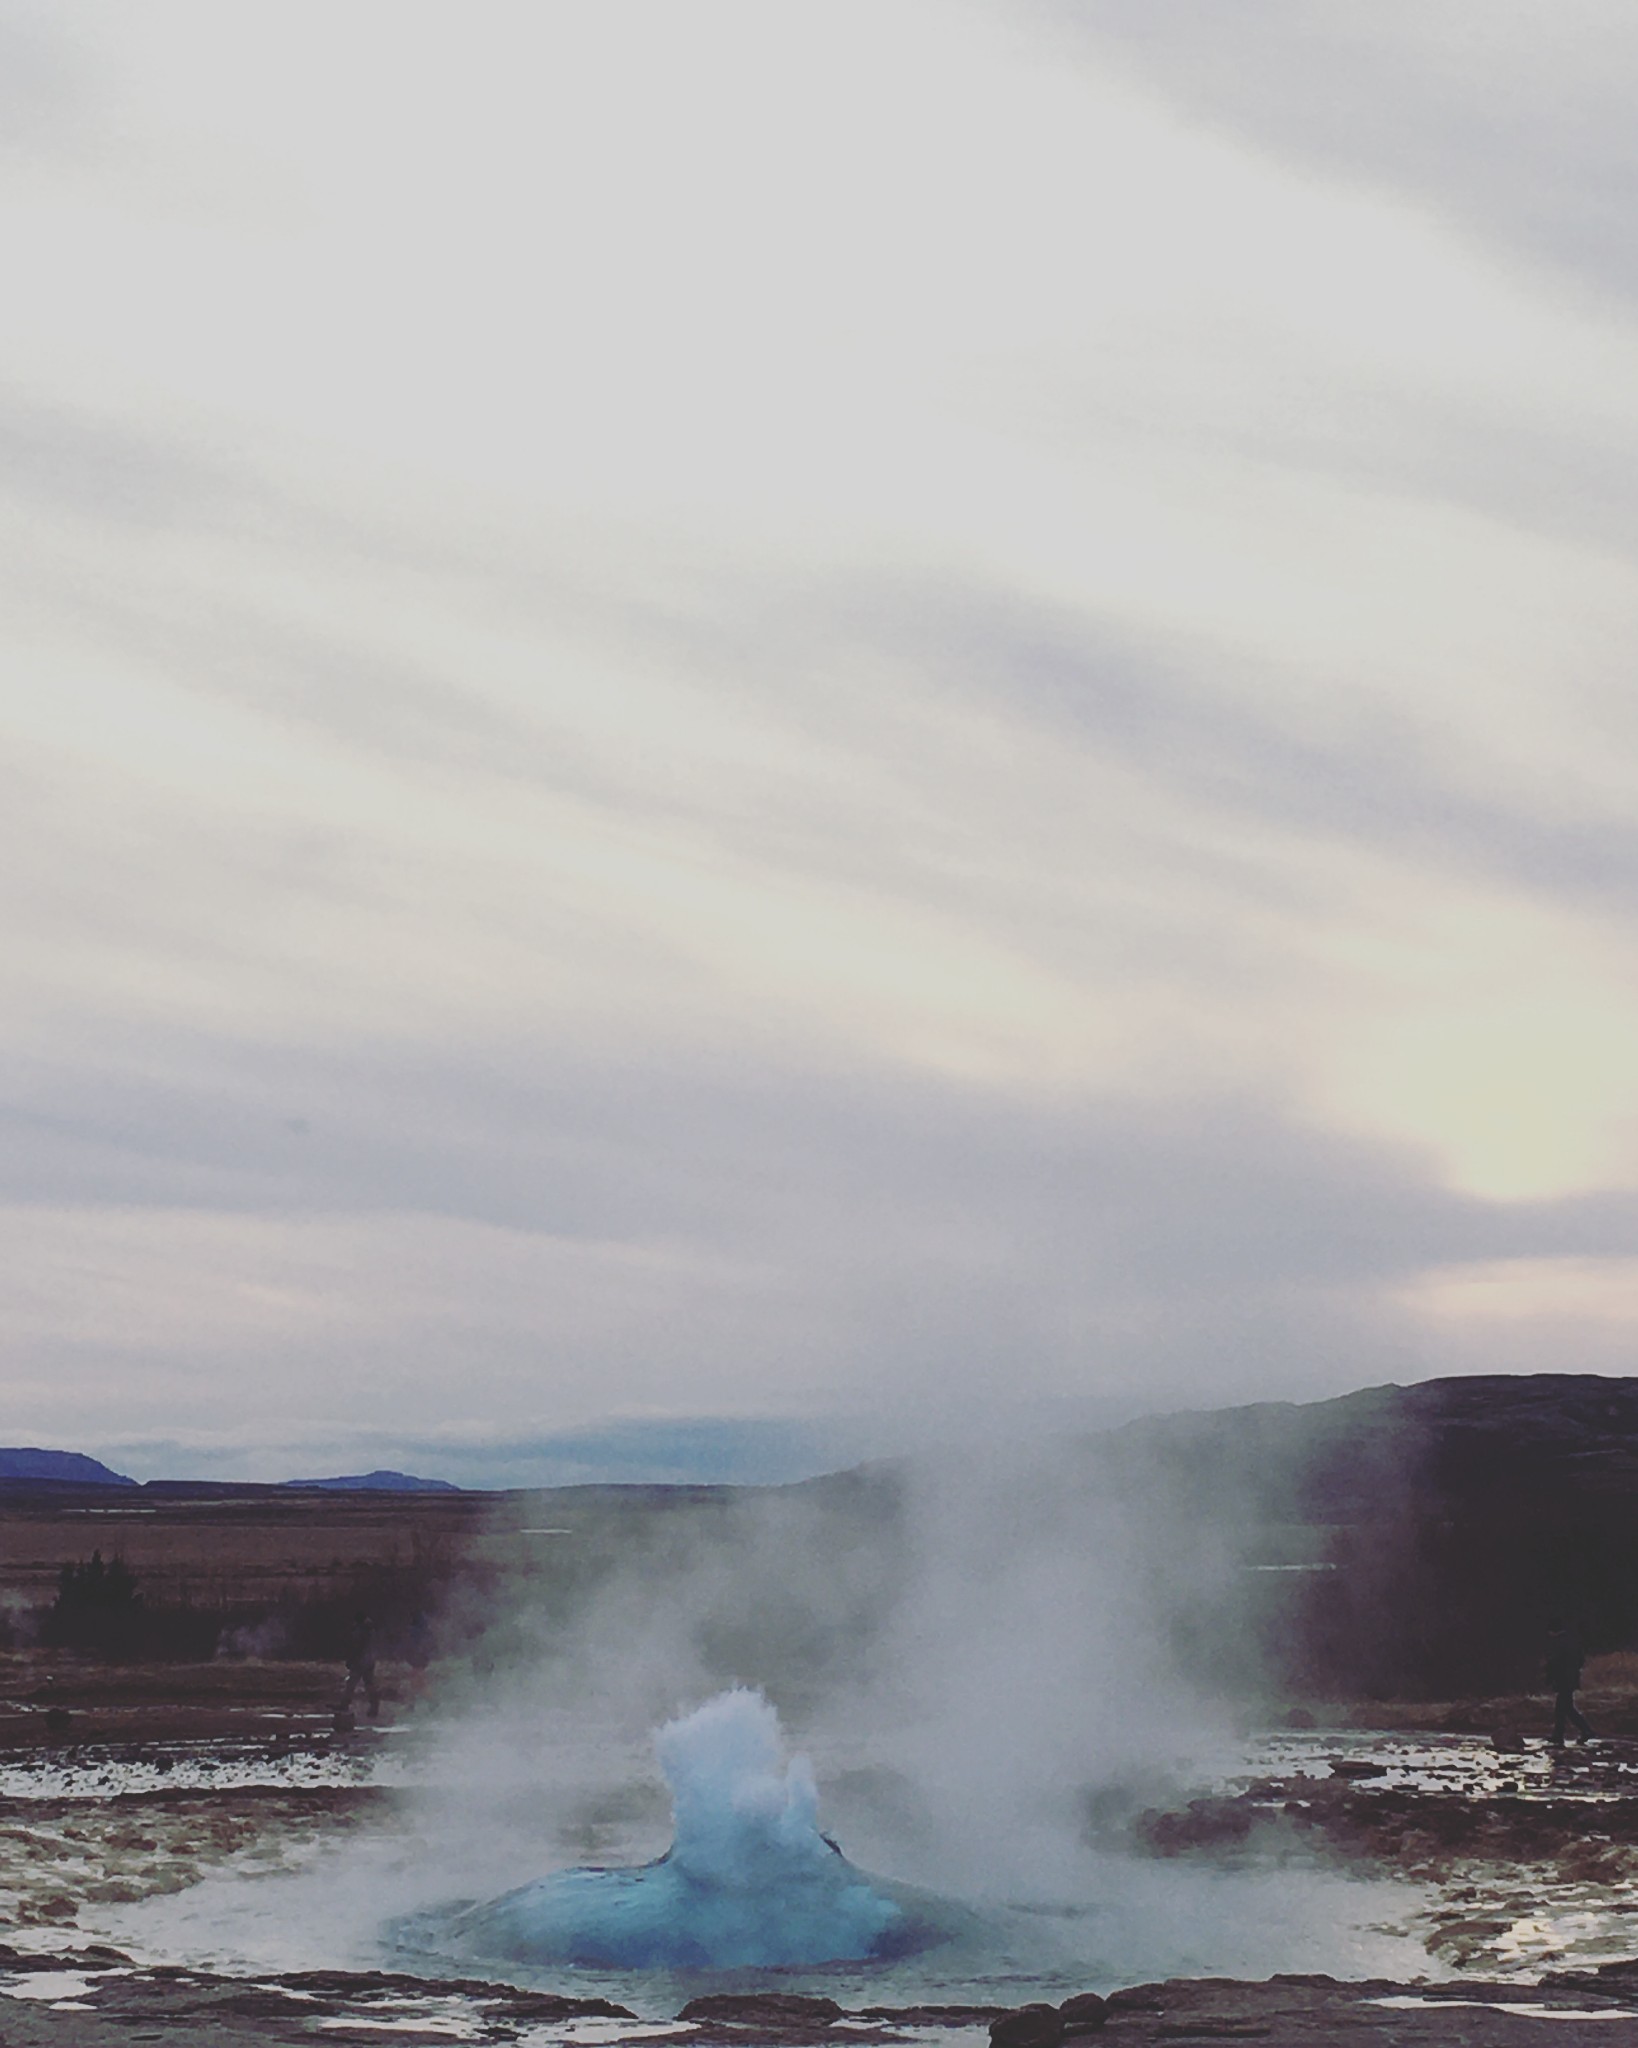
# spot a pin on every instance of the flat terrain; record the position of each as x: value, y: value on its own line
x: 245, y: 1594
x: 264, y: 1544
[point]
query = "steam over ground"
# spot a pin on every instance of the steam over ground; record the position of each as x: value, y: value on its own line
x: 969, y: 1652
x: 992, y: 1662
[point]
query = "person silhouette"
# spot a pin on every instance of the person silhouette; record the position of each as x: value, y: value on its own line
x: 1565, y: 1657
x: 361, y: 1666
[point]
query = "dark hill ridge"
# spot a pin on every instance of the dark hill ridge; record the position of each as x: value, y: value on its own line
x: 1326, y: 1462
x: 1360, y: 1458
x: 1401, y: 1541
x: 58, y: 1468
x: 35, y: 1471
x: 373, y: 1482
x: 1354, y: 1458
x: 1405, y: 1541
x: 1442, y: 1525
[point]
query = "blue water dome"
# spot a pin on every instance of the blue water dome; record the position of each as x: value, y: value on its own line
x: 749, y: 1881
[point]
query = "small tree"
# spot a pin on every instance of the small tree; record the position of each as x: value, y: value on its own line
x: 97, y: 1605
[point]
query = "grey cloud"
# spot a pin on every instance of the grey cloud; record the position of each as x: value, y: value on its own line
x: 58, y: 459
x: 386, y: 707
x: 105, y: 477
x: 1534, y: 473
x: 1172, y: 715
x: 1162, y: 710
x: 1534, y: 148
x: 44, y: 81
x: 862, y: 1176
x: 1397, y: 443
x: 941, y: 1250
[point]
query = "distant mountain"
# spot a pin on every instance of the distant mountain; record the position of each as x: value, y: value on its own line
x: 58, y: 1468
x: 1485, y: 1446
x: 659, y: 1451
x: 1400, y: 1541
x: 373, y: 1482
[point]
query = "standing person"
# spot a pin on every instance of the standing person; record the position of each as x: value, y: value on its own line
x: 1565, y: 1657
x: 361, y: 1665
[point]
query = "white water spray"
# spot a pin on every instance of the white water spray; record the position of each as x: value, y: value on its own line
x: 749, y: 1881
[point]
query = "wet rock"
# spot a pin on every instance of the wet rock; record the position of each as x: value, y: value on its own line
x: 1509, y: 1741
x: 1356, y: 1767
x: 268, y: 2002
x: 1028, y: 2026
x: 375, y: 1999
x: 1139, y: 1998
x: 1618, y: 1979
x: 779, y: 2009
x: 1289, y: 2011
x: 58, y: 1721
x: 1214, y: 2026
x: 1084, y: 2013
x: 934, y: 2015
x: 117, y: 1891
x: 552, y: 2005
x: 55, y: 1911
x: 12, y: 1958
x: 378, y: 1984
x: 1299, y: 1717
x: 1202, y: 1824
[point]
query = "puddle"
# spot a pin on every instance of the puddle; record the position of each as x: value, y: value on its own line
x: 113, y: 1771
x: 1468, y: 1765
x: 1530, y: 2009
x: 66, y: 1989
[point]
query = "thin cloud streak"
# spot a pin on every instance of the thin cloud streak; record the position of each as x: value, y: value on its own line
x: 1513, y: 122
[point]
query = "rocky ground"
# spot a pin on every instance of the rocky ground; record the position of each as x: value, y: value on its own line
x: 116, y: 1784
x: 95, y: 1999
x: 1527, y: 1856
x: 1526, y: 1862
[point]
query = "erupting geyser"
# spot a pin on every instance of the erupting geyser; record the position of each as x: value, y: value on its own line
x: 749, y: 1882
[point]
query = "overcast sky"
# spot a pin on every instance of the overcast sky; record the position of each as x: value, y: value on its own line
x: 848, y: 716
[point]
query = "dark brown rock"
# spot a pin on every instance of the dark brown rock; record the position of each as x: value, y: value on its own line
x: 12, y: 1958
x: 375, y: 1985
x: 551, y: 2005
x: 1213, y: 2026
x: 1138, y: 1998
x: 780, y: 2009
x: 1210, y: 1823
x: 1615, y: 1980
x: 1028, y: 2026
x: 1084, y: 2013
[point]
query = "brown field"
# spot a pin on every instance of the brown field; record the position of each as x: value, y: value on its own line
x: 237, y: 1549
x: 202, y: 1568
x: 244, y: 1598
